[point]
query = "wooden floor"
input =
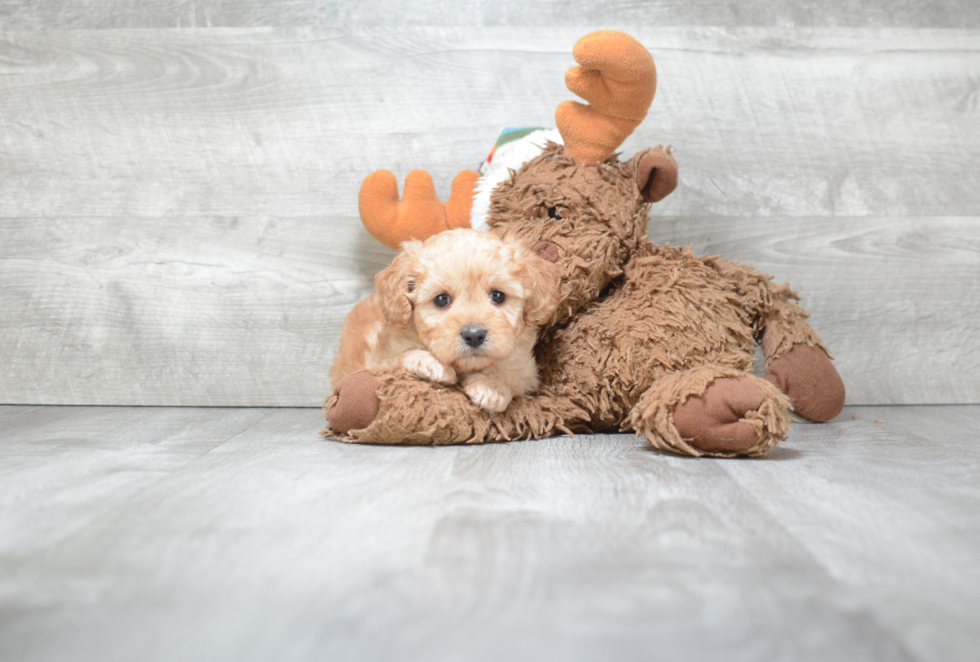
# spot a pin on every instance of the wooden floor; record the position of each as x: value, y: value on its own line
x: 239, y: 534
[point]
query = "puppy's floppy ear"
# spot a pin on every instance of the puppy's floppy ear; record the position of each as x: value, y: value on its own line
x: 394, y: 285
x: 540, y: 279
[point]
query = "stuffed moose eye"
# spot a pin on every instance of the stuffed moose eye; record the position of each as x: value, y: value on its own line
x: 442, y: 301
x: 555, y: 212
x: 497, y: 297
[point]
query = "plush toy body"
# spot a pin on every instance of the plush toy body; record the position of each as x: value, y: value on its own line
x: 648, y: 338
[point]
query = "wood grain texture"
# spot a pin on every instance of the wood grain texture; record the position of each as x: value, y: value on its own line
x: 287, y: 123
x: 178, y: 221
x: 229, y: 534
x: 249, y: 310
x: 200, y: 311
x: 33, y: 14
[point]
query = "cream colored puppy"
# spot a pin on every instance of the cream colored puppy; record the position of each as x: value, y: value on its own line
x: 461, y: 307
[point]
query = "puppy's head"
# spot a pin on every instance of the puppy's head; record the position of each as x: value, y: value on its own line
x: 469, y: 295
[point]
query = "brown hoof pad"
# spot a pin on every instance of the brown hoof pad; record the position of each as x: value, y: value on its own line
x: 357, y: 403
x: 712, y: 421
x: 811, y: 381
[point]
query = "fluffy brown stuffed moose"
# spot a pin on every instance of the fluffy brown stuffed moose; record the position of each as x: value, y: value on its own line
x: 648, y: 338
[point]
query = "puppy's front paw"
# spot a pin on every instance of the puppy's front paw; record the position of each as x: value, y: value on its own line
x: 486, y: 394
x: 423, y: 364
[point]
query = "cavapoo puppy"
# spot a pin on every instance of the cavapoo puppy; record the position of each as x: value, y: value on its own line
x: 462, y: 306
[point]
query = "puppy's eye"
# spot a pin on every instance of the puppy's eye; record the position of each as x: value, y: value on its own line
x: 498, y: 297
x: 442, y: 301
x: 555, y: 212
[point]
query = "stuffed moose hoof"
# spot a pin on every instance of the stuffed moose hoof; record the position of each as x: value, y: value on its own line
x: 646, y: 338
x: 716, y: 420
x: 734, y: 414
x: 810, y: 380
x: 354, y: 404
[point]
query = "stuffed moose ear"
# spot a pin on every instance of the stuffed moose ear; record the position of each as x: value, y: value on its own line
x: 656, y: 173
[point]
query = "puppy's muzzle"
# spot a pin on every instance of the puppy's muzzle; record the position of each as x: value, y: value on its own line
x: 473, y: 335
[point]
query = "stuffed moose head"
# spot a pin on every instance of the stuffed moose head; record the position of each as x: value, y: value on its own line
x: 647, y: 338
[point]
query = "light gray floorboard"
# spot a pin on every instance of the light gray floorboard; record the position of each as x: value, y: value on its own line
x: 228, y: 534
x: 64, y: 467
x: 13, y: 411
x: 179, y: 206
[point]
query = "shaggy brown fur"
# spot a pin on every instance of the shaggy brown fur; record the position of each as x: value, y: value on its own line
x: 642, y: 332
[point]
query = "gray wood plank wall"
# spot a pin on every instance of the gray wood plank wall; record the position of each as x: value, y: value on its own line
x: 178, y: 221
x: 88, y: 14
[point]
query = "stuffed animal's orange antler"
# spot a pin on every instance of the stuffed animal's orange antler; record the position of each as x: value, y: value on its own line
x: 420, y: 213
x: 618, y: 77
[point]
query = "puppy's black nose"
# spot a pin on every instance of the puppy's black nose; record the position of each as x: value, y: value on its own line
x: 473, y: 335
